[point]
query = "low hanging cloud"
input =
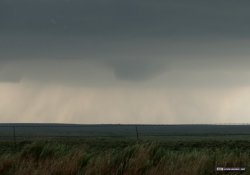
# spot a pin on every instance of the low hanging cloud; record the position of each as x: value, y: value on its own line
x: 121, y: 62
x: 130, y: 40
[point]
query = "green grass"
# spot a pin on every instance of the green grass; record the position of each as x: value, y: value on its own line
x: 124, y: 156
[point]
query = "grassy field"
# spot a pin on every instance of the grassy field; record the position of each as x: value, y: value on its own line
x: 173, y: 155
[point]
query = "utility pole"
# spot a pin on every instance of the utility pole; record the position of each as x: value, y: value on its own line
x: 137, y: 134
x: 14, y: 136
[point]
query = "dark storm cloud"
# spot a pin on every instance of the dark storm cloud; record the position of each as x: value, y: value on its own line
x: 126, y: 18
x: 136, y: 39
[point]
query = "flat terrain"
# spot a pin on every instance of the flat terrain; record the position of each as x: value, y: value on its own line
x: 71, y: 130
x: 43, y: 149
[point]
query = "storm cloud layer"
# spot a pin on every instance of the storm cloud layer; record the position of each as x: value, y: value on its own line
x: 136, y: 40
x: 126, y: 18
x: 131, y: 61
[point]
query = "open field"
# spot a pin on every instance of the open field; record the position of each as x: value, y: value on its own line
x: 171, y: 153
x: 74, y: 130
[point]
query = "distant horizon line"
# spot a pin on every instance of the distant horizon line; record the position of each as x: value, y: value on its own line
x: 59, y: 123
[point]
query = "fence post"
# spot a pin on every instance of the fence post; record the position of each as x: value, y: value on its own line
x: 137, y: 134
x: 14, y: 136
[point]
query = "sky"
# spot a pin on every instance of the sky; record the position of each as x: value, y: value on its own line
x: 133, y: 61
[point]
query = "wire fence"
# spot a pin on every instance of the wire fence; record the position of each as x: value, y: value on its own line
x: 17, y: 132
x: 68, y: 131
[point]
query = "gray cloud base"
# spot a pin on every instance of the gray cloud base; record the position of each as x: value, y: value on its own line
x: 136, y: 40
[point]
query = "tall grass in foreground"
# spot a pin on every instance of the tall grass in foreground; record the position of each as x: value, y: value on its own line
x: 119, y: 158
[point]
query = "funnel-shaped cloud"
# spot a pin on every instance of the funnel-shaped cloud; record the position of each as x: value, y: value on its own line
x: 136, y: 40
